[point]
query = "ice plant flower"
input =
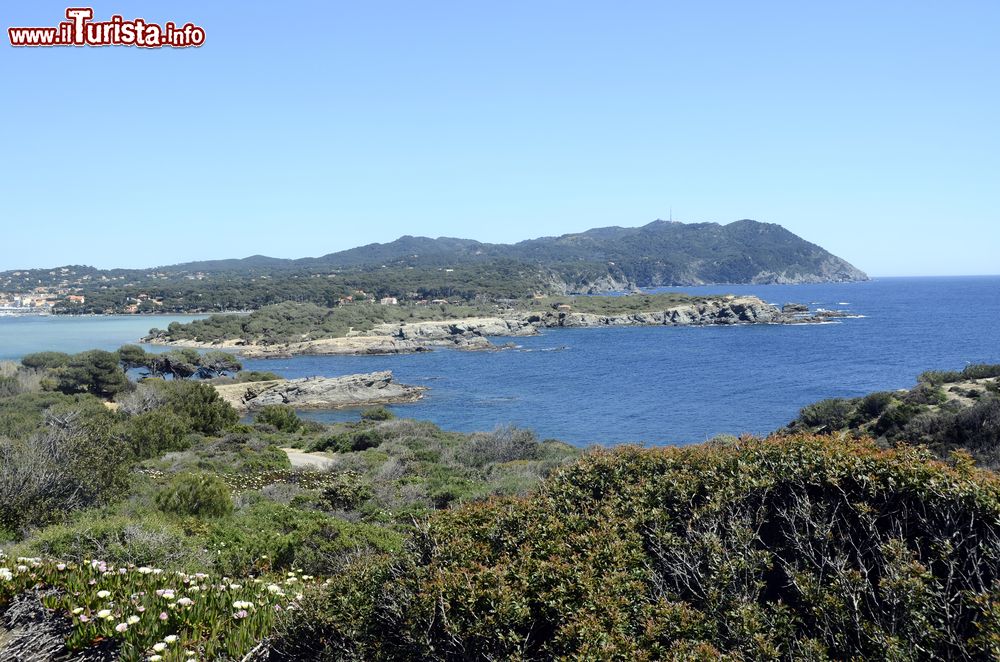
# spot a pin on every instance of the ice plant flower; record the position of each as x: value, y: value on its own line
x: 132, y: 620
x: 159, y: 647
x: 103, y: 594
x: 104, y: 613
x: 121, y: 627
x: 170, y: 638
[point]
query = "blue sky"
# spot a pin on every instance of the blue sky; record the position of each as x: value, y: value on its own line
x: 304, y: 128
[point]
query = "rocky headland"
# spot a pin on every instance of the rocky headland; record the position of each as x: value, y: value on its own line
x: 474, y: 333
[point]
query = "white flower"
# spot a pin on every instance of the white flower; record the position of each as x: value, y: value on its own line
x: 185, y: 602
x: 170, y: 638
x: 78, y: 611
x: 235, y: 586
x: 159, y: 647
x: 6, y: 574
x: 144, y: 570
x: 103, y: 594
x: 154, y: 658
x: 104, y: 613
x: 132, y: 620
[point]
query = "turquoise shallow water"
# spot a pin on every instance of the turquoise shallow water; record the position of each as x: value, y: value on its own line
x: 23, y: 335
x: 655, y: 385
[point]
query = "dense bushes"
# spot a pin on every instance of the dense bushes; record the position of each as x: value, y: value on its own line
x: 946, y: 411
x: 974, y: 371
x: 283, y: 537
x: 790, y: 548
x: 76, y: 460
x: 281, y: 417
x: 832, y: 414
x: 197, y: 495
x: 201, y: 405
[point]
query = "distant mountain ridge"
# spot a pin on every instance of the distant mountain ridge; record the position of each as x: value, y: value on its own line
x: 413, y: 268
x: 660, y: 253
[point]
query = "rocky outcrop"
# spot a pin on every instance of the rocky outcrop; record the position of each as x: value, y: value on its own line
x: 449, y: 330
x: 729, y: 310
x: 364, y: 390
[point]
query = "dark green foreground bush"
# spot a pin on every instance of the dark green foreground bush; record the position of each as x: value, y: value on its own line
x: 802, y: 547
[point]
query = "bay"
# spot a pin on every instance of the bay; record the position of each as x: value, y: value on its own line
x: 651, y: 385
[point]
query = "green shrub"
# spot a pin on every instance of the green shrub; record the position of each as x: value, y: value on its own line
x: 78, y: 460
x: 286, y: 537
x: 377, y: 414
x: 505, y: 444
x: 281, y: 417
x: 156, y: 432
x: 201, y: 405
x: 348, y: 491
x: 358, y: 439
x: 195, y: 494
x: 872, y: 405
x: 787, y: 548
x: 119, y: 538
x: 832, y: 414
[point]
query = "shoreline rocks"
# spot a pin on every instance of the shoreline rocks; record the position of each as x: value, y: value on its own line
x: 361, y: 390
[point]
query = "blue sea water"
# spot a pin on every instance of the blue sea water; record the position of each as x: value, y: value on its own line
x: 658, y: 385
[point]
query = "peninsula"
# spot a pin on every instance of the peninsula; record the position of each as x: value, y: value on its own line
x: 360, y: 328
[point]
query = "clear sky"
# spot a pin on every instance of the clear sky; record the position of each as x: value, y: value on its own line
x: 302, y: 128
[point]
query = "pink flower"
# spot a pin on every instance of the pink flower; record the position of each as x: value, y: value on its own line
x: 84, y: 619
x: 242, y: 613
x: 163, y: 616
x: 121, y: 627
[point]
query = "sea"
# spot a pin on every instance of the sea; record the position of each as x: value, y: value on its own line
x: 647, y: 385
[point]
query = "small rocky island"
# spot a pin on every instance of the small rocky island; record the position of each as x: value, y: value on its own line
x: 473, y: 332
x: 364, y: 390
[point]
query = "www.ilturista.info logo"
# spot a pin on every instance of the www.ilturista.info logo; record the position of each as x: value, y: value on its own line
x: 81, y: 30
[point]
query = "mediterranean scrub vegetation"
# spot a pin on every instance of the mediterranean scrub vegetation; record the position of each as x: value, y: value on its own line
x: 946, y: 411
x: 798, y: 547
x: 146, y: 521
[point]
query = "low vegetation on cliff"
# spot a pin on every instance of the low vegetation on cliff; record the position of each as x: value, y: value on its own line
x: 946, y: 411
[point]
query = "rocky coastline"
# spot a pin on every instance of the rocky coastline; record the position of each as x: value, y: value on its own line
x: 362, y: 390
x: 474, y: 333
